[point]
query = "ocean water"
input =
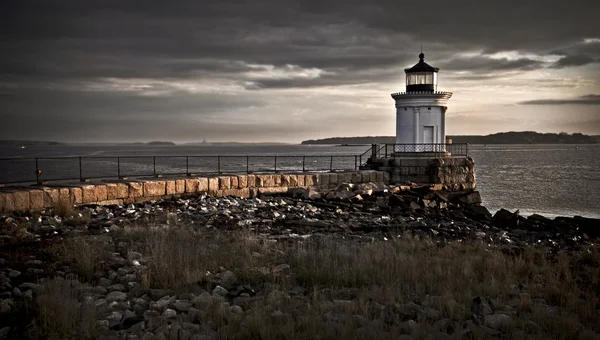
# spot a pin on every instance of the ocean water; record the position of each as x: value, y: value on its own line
x: 552, y: 180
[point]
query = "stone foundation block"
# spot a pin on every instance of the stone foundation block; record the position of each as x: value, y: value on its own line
x: 379, y: 176
x: 272, y: 191
x: 101, y: 194
x: 112, y: 191
x: 242, y: 181
x: 309, y: 180
x: 333, y: 179
x: 136, y: 189
x: 242, y: 193
x: 77, y: 194
x: 21, y: 200
x: 276, y: 180
x: 36, y: 200
x: 111, y: 202
x: 289, y: 180
x: 224, y: 183
x: 213, y: 184
x: 170, y: 187
x: 301, y: 180
x: 202, y: 184
x: 324, y: 179
x: 234, y: 182
x: 64, y: 196
x: 180, y: 186
x: 265, y: 181
x: 50, y: 197
x: 191, y: 185
x: 345, y: 177
x: 155, y: 188
x: 356, y: 177
x: 89, y: 194
x: 7, y: 202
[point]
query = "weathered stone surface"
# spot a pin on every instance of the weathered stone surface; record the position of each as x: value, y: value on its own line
x: 202, y: 184
x: 170, y: 187
x: 333, y: 179
x: 155, y: 188
x: 180, y: 186
x: 21, y: 200
x: 234, y: 182
x: 379, y: 176
x: 243, y: 193
x: 111, y: 191
x: 89, y: 194
x: 191, y: 185
x: 264, y: 181
x: 50, y: 197
x: 277, y: 180
x: 272, y: 190
x: 300, y: 179
x: 345, y: 177
x: 289, y: 180
x: 77, y: 194
x: 36, y: 200
x: 136, y: 190
x: 356, y: 177
x: 242, y: 181
x: 7, y: 202
x: 366, y: 176
x: 213, y: 184
x: 224, y: 182
x: 309, y: 180
x: 324, y: 179
x: 64, y: 196
x: 101, y: 194
x: 373, y: 176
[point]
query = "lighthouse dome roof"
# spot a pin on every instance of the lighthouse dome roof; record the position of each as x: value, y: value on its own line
x: 421, y: 66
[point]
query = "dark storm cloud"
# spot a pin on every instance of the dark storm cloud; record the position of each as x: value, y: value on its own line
x: 54, y: 50
x: 590, y: 99
x: 579, y: 54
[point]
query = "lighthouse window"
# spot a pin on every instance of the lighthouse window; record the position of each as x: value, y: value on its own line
x: 429, y: 78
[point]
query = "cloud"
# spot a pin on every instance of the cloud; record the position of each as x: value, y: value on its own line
x: 590, y: 99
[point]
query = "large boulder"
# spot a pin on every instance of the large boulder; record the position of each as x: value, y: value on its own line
x: 506, y: 219
x: 469, y: 198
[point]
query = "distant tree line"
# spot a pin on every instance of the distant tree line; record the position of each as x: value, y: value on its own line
x: 523, y: 137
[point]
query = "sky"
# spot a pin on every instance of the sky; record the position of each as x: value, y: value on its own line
x: 286, y: 71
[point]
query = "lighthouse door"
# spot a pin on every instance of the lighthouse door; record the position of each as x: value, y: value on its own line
x: 428, y: 138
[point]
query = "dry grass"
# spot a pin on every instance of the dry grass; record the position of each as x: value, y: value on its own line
x: 63, y: 209
x: 85, y: 255
x: 60, y: 315
x: 387, y: 272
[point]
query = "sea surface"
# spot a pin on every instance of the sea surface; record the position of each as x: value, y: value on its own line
x: 551, y: 180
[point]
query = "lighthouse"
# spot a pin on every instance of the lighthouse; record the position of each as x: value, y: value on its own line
x: 421, y: 111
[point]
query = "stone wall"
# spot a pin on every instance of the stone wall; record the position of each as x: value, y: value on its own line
x: 449, y: 173
x: 124, y: 192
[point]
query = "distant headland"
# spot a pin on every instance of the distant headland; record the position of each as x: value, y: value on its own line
x: 512, y: 137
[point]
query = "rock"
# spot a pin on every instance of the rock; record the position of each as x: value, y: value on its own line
x: 498, y: 321
x: 114, y: 319
x: 116, y: 296
x: 505, y: 219
x: 203, y: 301
x: 14, y: 273
x: 226, y: 279
x: 182, y: 305
x: 469, y: 198
x: 220, y: 291
x: 236, y: 309
x: 169, y: 314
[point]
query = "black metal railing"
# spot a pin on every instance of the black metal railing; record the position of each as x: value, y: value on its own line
x: 401, y: 150
x: 45, y: 169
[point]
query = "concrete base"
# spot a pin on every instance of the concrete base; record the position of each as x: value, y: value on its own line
x: 427, y: 155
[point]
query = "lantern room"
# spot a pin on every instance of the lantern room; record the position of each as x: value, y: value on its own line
x: 422, y: 77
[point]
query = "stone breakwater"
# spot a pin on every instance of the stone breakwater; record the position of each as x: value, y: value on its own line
x: 228, y: 302
x: 124, y: 192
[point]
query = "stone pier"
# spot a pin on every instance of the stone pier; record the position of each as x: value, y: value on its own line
x: 36, y: 198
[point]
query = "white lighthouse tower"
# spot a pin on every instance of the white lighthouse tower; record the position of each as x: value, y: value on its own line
x: 421, y: 111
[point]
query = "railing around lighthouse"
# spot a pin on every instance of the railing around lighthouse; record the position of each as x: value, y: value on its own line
x: 406, y: 150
